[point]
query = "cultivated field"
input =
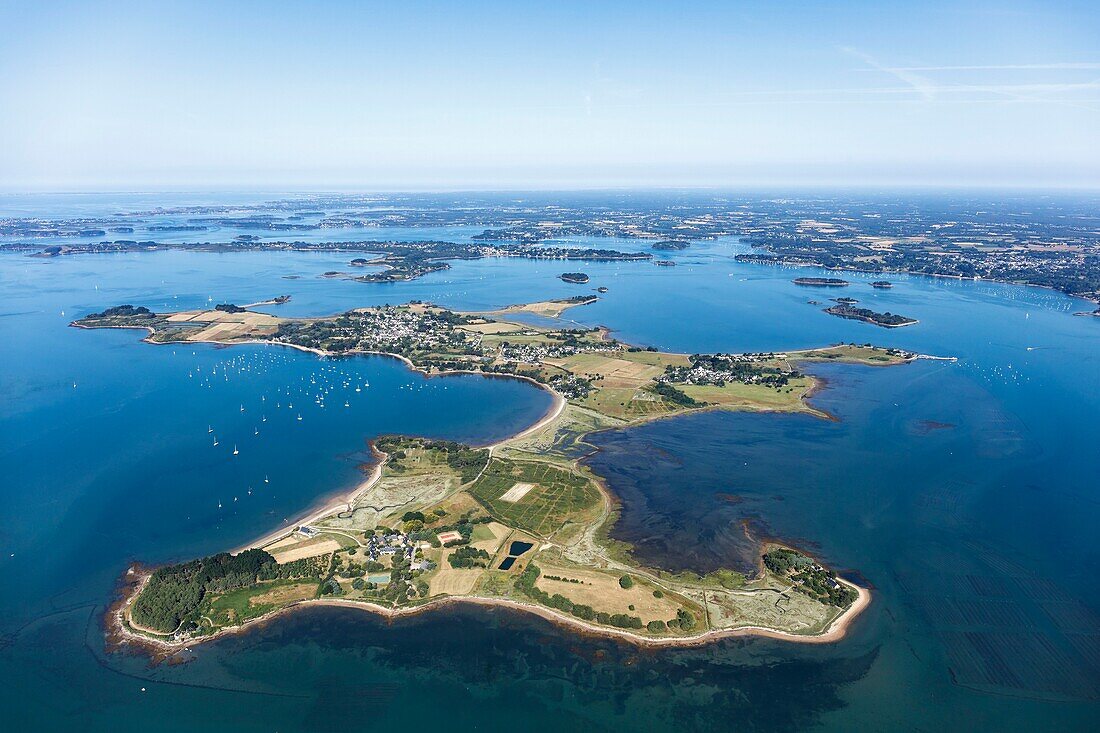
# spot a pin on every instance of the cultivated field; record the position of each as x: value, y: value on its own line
x: 558, y: 495
x: 305, y: 548
x: 602, y: 592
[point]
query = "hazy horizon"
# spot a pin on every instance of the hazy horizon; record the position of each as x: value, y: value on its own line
x: 494, y: 97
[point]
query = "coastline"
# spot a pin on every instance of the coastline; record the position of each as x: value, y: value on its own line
x: 120, y: 632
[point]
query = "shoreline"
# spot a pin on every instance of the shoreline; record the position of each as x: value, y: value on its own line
x: 119, y: 630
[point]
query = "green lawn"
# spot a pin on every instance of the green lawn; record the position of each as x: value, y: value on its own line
x: 237, y: 606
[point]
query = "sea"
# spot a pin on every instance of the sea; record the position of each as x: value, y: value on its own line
x: 964, y: 493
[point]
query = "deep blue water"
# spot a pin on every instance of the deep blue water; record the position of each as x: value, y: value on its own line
x: 964, y: 493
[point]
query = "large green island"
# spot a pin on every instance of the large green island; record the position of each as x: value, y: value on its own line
x: 522, y: 523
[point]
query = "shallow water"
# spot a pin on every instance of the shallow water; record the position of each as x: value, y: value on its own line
x: 964, y: 493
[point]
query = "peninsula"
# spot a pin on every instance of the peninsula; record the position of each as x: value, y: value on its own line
x: 523, y: 523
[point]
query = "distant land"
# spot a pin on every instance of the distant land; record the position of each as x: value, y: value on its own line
x: 1048, y: 241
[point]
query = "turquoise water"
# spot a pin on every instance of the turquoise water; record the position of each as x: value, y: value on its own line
x: 964, y: 493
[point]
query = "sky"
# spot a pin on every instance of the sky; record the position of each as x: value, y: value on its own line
x: 499, y: 95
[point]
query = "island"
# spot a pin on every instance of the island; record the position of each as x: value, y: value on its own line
x: 578, y: 278
x: 523, y: 523
x: 670, y: 244
x: 967, y: 238
x: 664, y: 263
x: 882, y: 284
x: 821, y: 282
x: 886, y: 320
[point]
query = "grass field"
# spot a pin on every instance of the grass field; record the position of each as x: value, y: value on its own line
x: 284, y: 553
x: 602, y: 592
x: 857, y: 354
x: 752, y: 396
x: 240, y: 605
x: 546, y: 308
x: 558, y: 495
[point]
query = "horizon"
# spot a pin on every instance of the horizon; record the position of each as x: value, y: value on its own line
x: 487, y: 97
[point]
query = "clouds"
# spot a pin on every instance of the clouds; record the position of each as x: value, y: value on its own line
x: 920, y: 84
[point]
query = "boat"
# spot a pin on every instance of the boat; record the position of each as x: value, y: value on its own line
x: 235, y: 451
x: 299, y: 417
x: 215, y: 440
x: 209, y: 428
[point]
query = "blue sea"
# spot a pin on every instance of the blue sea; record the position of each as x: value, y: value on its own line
x: 963, y: 493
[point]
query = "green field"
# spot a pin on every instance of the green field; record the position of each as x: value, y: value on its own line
x: 236, y: 606
x: 558, y: 495
x: 751, y: 396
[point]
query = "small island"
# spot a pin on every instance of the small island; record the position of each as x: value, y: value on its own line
x: 578, y: 278
x: 845, y: 301
x: 882, y: 284
x: 821, y: 282
x: 885, y: 320
x: 670, y: 244
x: 664, y: 263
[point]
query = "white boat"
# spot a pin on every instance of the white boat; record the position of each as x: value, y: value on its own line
x: 235, y: 451
x: 215, y: 440
x: 299, y: 417
x: 209, y: 428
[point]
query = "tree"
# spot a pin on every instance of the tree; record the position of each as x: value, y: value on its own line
x: 625, y: 582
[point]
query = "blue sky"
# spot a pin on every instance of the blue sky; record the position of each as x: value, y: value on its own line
x: 408, y: 95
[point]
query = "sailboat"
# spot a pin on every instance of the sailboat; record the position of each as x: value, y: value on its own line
x: 215, y: 440
x: 299, y: 417
x: 263, y: 418
x: 256, y: 432
x: 235, y: 451
x: 266, y: 480
x: 209, y: 428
